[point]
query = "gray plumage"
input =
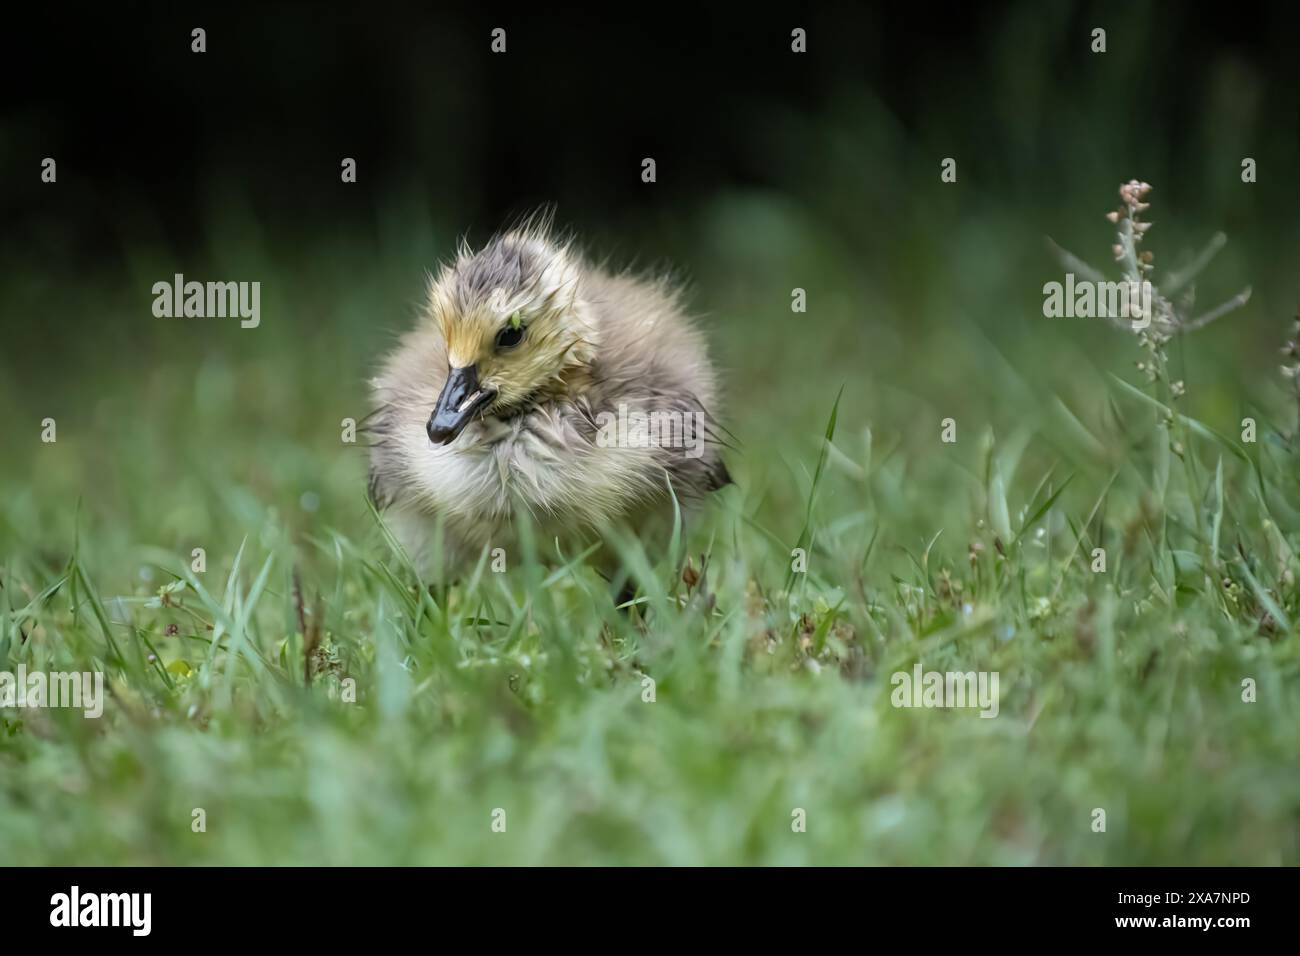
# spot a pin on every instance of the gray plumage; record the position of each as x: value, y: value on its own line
x: 606, y: 398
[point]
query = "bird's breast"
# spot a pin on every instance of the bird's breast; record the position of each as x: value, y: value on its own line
x: 545, y: 462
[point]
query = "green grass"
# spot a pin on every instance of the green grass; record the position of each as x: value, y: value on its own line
x: 524, y: 690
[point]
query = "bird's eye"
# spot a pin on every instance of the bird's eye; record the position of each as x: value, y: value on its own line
x: 510, y: 336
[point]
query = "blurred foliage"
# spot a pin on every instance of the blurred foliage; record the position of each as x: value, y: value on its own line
x: 775, y: 173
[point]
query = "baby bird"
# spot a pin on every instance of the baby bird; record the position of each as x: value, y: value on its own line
x: 536, y: 382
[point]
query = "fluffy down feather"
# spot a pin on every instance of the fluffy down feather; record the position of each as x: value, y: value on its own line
x: 596, y: 345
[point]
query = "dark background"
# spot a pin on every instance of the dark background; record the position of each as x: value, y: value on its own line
x: 142, y: 126
x: 775, y: 171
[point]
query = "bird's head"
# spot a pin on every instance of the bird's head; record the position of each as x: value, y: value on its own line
x: 515, y: 326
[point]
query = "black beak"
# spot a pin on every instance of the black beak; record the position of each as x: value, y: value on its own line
x: 461, y: 397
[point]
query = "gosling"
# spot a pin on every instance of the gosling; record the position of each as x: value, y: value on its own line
x: 539, y: 384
